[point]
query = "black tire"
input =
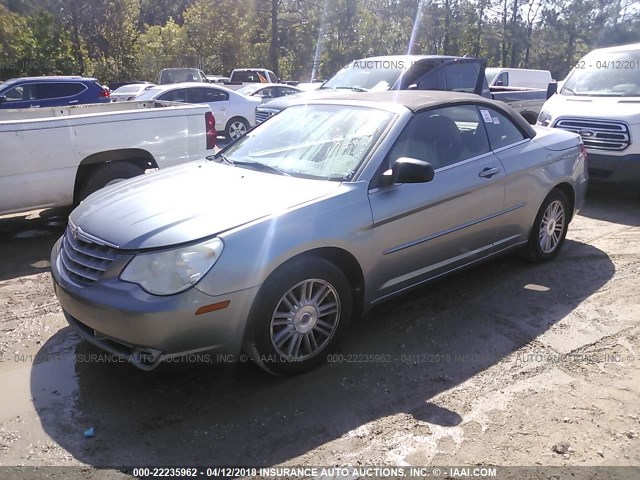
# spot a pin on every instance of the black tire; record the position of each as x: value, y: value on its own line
x: 235, y: 122
x: 108, y: 173
x: 259, y: 344
x: 534, y: 250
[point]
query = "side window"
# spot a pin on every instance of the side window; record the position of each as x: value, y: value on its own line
x: 179, y: 95
x: 442, y: 137
x: 16, y: 94
x: 501, y: 130
x: 207, y: 95
x: 503, y: 80
x: 461, y: 77
x: 58, y: 90
x: 270, y: 92
x: 287, y: 91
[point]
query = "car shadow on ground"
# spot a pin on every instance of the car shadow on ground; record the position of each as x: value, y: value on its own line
x: 395, y: 361
x: 609, y: 204
x: 26, y: 241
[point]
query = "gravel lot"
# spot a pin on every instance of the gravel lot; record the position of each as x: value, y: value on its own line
x: 497, y: 365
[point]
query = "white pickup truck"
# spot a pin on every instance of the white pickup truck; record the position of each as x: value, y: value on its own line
x: 51, y: 157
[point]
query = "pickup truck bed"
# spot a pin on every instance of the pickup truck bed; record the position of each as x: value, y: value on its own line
x: 56, y: 156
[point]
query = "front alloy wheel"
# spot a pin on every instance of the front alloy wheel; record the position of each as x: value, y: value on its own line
x: 305, y: 319
x: 298, y: 316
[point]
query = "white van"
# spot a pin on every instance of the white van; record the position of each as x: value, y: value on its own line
x: 518, y: 77
x: 600, y: 100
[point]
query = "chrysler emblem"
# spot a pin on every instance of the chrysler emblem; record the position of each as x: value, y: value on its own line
x: 586, y: 133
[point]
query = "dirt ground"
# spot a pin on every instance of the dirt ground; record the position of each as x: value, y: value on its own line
x: 495, y: 366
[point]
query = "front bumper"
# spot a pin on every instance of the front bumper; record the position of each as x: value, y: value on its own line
x: 146, y: 329
x: 618, y: 169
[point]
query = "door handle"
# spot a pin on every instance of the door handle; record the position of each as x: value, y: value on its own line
x: 489, y: 172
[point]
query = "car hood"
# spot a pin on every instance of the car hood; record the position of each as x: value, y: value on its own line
x: 626, y: 109
x: 189, y: 202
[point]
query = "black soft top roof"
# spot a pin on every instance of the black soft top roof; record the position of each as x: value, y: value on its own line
x: 418, y: 100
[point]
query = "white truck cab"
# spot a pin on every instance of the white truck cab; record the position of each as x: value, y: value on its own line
x: 600, y: 100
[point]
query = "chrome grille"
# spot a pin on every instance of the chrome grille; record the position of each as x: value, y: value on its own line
x: 598, y: 134
x: 83, y: 260
x: 262, y: 115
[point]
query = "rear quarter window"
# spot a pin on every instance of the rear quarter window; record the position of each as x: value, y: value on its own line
x: 58, y: 90
x: 502, y: 132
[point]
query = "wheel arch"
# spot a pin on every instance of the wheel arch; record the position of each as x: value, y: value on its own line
x: 136, y: 156
x: 569, y: 191
x: 348, y: 265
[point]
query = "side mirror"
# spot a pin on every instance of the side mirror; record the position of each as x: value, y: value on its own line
x: 552, y: 89
x: 3, y: 99
x: 408, y: 170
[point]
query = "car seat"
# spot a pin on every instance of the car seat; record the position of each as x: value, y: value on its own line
x: 434, y: 139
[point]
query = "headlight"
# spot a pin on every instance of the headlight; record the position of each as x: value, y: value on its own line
x: 544, y: 118
x: 172, y: 271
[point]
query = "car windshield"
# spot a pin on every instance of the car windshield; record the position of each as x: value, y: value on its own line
x: 249, y: 89
x: 325, y: 142
x: 149, y: 94
x: 611, y: 74
x: 490, y: 74
x: 365, y: 75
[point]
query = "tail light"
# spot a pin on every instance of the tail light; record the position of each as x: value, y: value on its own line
x: 210, y: 128
x: 105, y: 93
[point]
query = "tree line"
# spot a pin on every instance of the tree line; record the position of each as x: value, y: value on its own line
x: 124, y: 40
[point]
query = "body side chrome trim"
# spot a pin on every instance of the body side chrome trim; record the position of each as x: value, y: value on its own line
x: 398, y: 292
x: 451, y: 230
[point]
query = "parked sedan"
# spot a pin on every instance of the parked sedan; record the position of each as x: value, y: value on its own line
x: 129, y: 92
x: 234, y: 113
x: 330, y: 207
x: 268, y: 91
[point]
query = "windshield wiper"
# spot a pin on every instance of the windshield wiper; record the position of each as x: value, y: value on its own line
x: 262, y: 167
x: 220, y: 158
x: 565, y: 89
x: 355, y: 89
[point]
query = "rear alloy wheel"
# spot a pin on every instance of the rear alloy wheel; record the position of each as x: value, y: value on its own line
x: 299, y: 316
x: 236, y: 128
x: 550, y: 228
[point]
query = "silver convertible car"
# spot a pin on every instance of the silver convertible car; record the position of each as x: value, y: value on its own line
x: 274, y: 244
